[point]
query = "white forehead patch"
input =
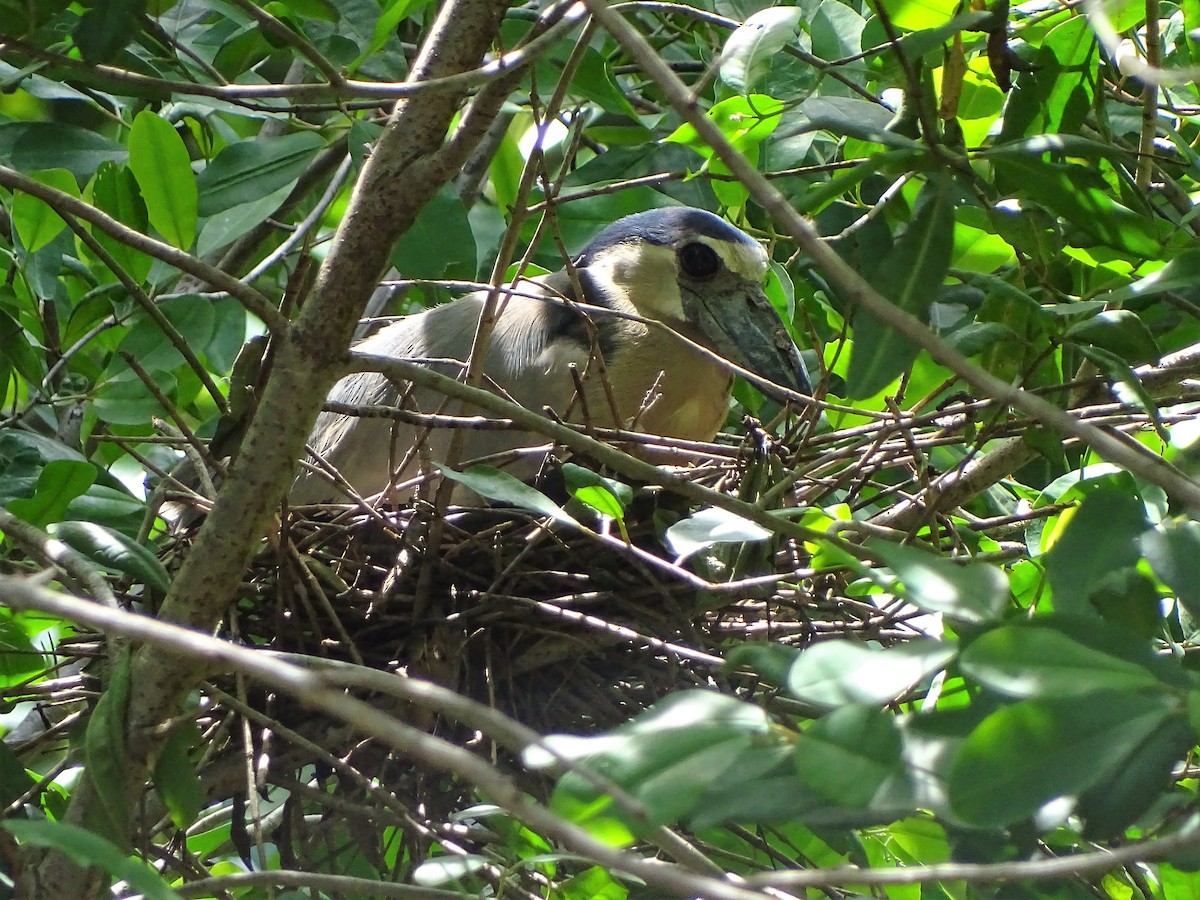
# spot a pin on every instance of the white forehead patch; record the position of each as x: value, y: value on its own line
x: 748, y: 260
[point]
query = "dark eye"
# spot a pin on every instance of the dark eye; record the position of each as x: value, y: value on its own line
x: 699, y: 260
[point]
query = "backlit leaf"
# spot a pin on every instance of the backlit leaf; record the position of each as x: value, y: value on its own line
x: 163, y: 171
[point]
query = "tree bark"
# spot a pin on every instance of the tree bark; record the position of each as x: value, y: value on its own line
x: 407, y: 166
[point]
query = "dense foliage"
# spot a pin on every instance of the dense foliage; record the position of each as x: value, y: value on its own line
x: 173, y: 177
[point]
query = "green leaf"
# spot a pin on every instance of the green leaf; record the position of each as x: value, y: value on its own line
x: 15, y: 781
x: 223, y: 228
x: 916, y: 15
x: 767, y: 659
x: 1075, y: 193
x: 1113, y: 805
x: 836, y: 673
x: 115, y: 191
x: 495, y: 484
x: 122, y: 399
x: 19, y: 657
x: 176, y: 779
x: 1056, y: 95
x: 968, y: 591
x: 1118, y: 331
x: 440, y: 243
x: 1182, y: 272
x: 1126, y: 385
x: 36, y: 223
x: 605, y: 496
x: 16, y: 345
x: 111, y: 507
x: 745, y: 121
x: 910, y: 277
x: 106, y: 752
x: 753, y: 46
x: 1173, y: 551
x: 60, y: 482
x: 1031, y: 661
x: 86, y: 848
x: 395, y: 12
x: 160, y: 164
x: 192, y: 316
x: 1100, y: 538
x: 251, y: 170
x: 708, y: 527
x: 114, y: 550
x: 665, y: 758
x: 38, y: 146
x: 1024, y: 755
x: 847, y: 755
x: 107, y: 27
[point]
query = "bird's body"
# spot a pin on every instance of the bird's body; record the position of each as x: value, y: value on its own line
x: 685, y: 268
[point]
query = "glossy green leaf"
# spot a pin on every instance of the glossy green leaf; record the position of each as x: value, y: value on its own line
x: 36, y: 223
x: 15, y: 781
x: 847, y: 755
x: 968, y: 591
x: 1118, y: 331
x: 176, y: 779
x: 1100, y: 538
x: 394, y: 12
x: 122, y: 398
x: 115, y: 551
x: 38, y: 146
x: 605, y: 496
x: 754, y: 44
x: 224, y: 227
x: 60, y: 482
x: 836, y: 673
x: 193, y: 317
x: 115, y: 191
x: 440, y: 243
x: 665, y: 758
x: 87, y: 848
x: 495, y: 484
x: 106, y: 752
x: 915, y: 15
x: 767, y: 659
x: 1126, y: 384
x: 1057, y: 93
x: 20, y: 659
x: 711, y: 526
x: 910, y: 278
x: 160, y: 164
x: 1072, y: 192
x: 106, y: 27
x: 1031, y: 661
x: 1181, y: 272
x: 1112, y: 806
x: 745, y: 121
x: 1024, y: 755
x: 17, y: 346
x: 1173, y: 551
x: 251, y: 170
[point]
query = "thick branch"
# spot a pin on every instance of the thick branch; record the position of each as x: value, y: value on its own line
x: 400, y: 176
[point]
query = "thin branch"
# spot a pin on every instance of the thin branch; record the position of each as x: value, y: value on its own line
x: 164, y: 88
x: 314, y: 690
x: 60, y: 201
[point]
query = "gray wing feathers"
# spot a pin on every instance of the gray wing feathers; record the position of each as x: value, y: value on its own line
x: 525, y: 357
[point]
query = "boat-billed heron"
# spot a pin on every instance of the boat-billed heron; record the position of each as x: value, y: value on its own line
x: 684, y: 268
